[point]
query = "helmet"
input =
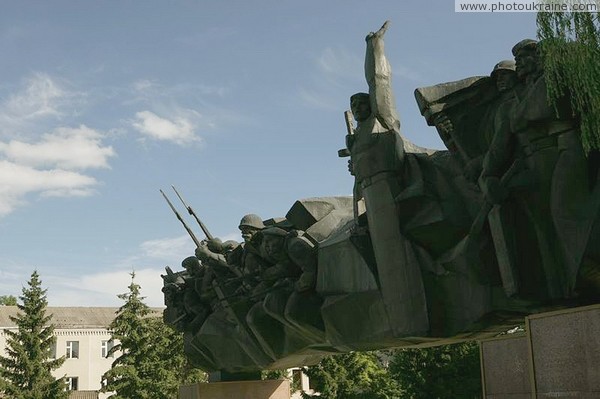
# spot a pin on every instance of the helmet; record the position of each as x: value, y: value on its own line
x: 525, y: 43
x: 362, y: 96
x: 505, y: 65
x: 190, y: 262
x: 252, y: 220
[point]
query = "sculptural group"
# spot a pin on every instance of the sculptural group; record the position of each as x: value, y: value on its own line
x: 433, y: 247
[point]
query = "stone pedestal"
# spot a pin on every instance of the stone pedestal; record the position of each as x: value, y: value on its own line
x: 505, y: 368
x: 558, y: 356
x: 270, y: 389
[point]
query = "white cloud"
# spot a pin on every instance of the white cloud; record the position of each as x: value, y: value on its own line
x: 178, y: 129
x: 51, y: 167
x: 167, y: 249
x: 101, y: 289
x: 340, y: 63
x: 315, y: 98
x: 143, y: 84
x: 40, y: 97
x: 335, y: 71
x: 65, y: 148
x: 39, y: 158
x: 405, y: 73
x: 18, y: 180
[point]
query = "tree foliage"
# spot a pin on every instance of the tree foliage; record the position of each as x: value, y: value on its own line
x: 8, y: 300
x: 354, y: 375
x: 25, y: 373
x: 151, y: 364
x: 449, y: 371
x: 570, y: 50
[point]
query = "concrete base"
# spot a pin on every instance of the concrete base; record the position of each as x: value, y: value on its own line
x: 505, y: 368
x: 558, y: 356
x: 270, y: 389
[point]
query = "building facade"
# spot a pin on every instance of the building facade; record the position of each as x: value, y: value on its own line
x: 82, y: 336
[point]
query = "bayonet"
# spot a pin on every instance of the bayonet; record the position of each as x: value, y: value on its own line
x: 190, y: 232
x: 191, y: 212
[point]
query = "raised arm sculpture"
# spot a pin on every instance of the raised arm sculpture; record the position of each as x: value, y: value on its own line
x: 448, y: 245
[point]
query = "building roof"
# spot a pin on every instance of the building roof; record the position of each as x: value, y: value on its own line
x: 71, y: 317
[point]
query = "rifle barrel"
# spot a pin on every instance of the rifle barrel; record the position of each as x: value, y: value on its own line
x: 349, y: 118
x: 191, y: 212
x: 190, y: 232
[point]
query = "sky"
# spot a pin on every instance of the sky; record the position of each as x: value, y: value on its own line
x: 238, y: 104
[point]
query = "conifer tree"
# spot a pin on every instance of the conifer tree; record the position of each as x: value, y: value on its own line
x: 8, y: 300
x: 25, y: 371
x: 152, y: 364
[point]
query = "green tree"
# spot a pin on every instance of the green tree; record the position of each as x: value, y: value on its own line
x: 354, y: 375
x: 8, y: 300
x: 151, y: 364
x: 570, y: 50
x: 25, y: 373
x: 449, y: 371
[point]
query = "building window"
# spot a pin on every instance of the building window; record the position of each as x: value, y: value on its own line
x: 72, y: 383
x: 52, y: 350
x: 106, y: 347
x: 72, y: 349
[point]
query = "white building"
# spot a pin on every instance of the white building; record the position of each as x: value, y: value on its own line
x: 82, y: 336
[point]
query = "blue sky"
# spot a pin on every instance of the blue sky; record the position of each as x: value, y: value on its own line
x: 239, y: 104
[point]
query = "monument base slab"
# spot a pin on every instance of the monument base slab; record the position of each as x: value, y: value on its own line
x: 558, y: 356
x: 268, y: 389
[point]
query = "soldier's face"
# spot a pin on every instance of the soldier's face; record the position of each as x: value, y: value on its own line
x: 505, y: 79
x: 526, y: 62
x: 247, y: 232
x: 361, y: 108
x: 273, y: 246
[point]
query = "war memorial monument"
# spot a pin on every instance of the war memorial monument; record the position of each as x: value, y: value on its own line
x: 433, y: 247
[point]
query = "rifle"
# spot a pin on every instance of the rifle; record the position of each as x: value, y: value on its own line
x: 348, y: 117
x: 190, y: 232
x: 191, y: 212
x: 345, y: 152
x: 171, y: 277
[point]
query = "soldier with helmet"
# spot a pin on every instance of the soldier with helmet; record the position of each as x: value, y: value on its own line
x: 504, y: 75
x: 250, y: 225
x: 293, y: 256
x: 505, y: 78
x: 545, y: 139
x: 247, y: 257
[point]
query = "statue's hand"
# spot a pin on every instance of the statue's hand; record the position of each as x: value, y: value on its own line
x: 305, y: 282
x: 380, y: 32
x: 444, y: 124
x: 202, y: 252
x: 215, y: 245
